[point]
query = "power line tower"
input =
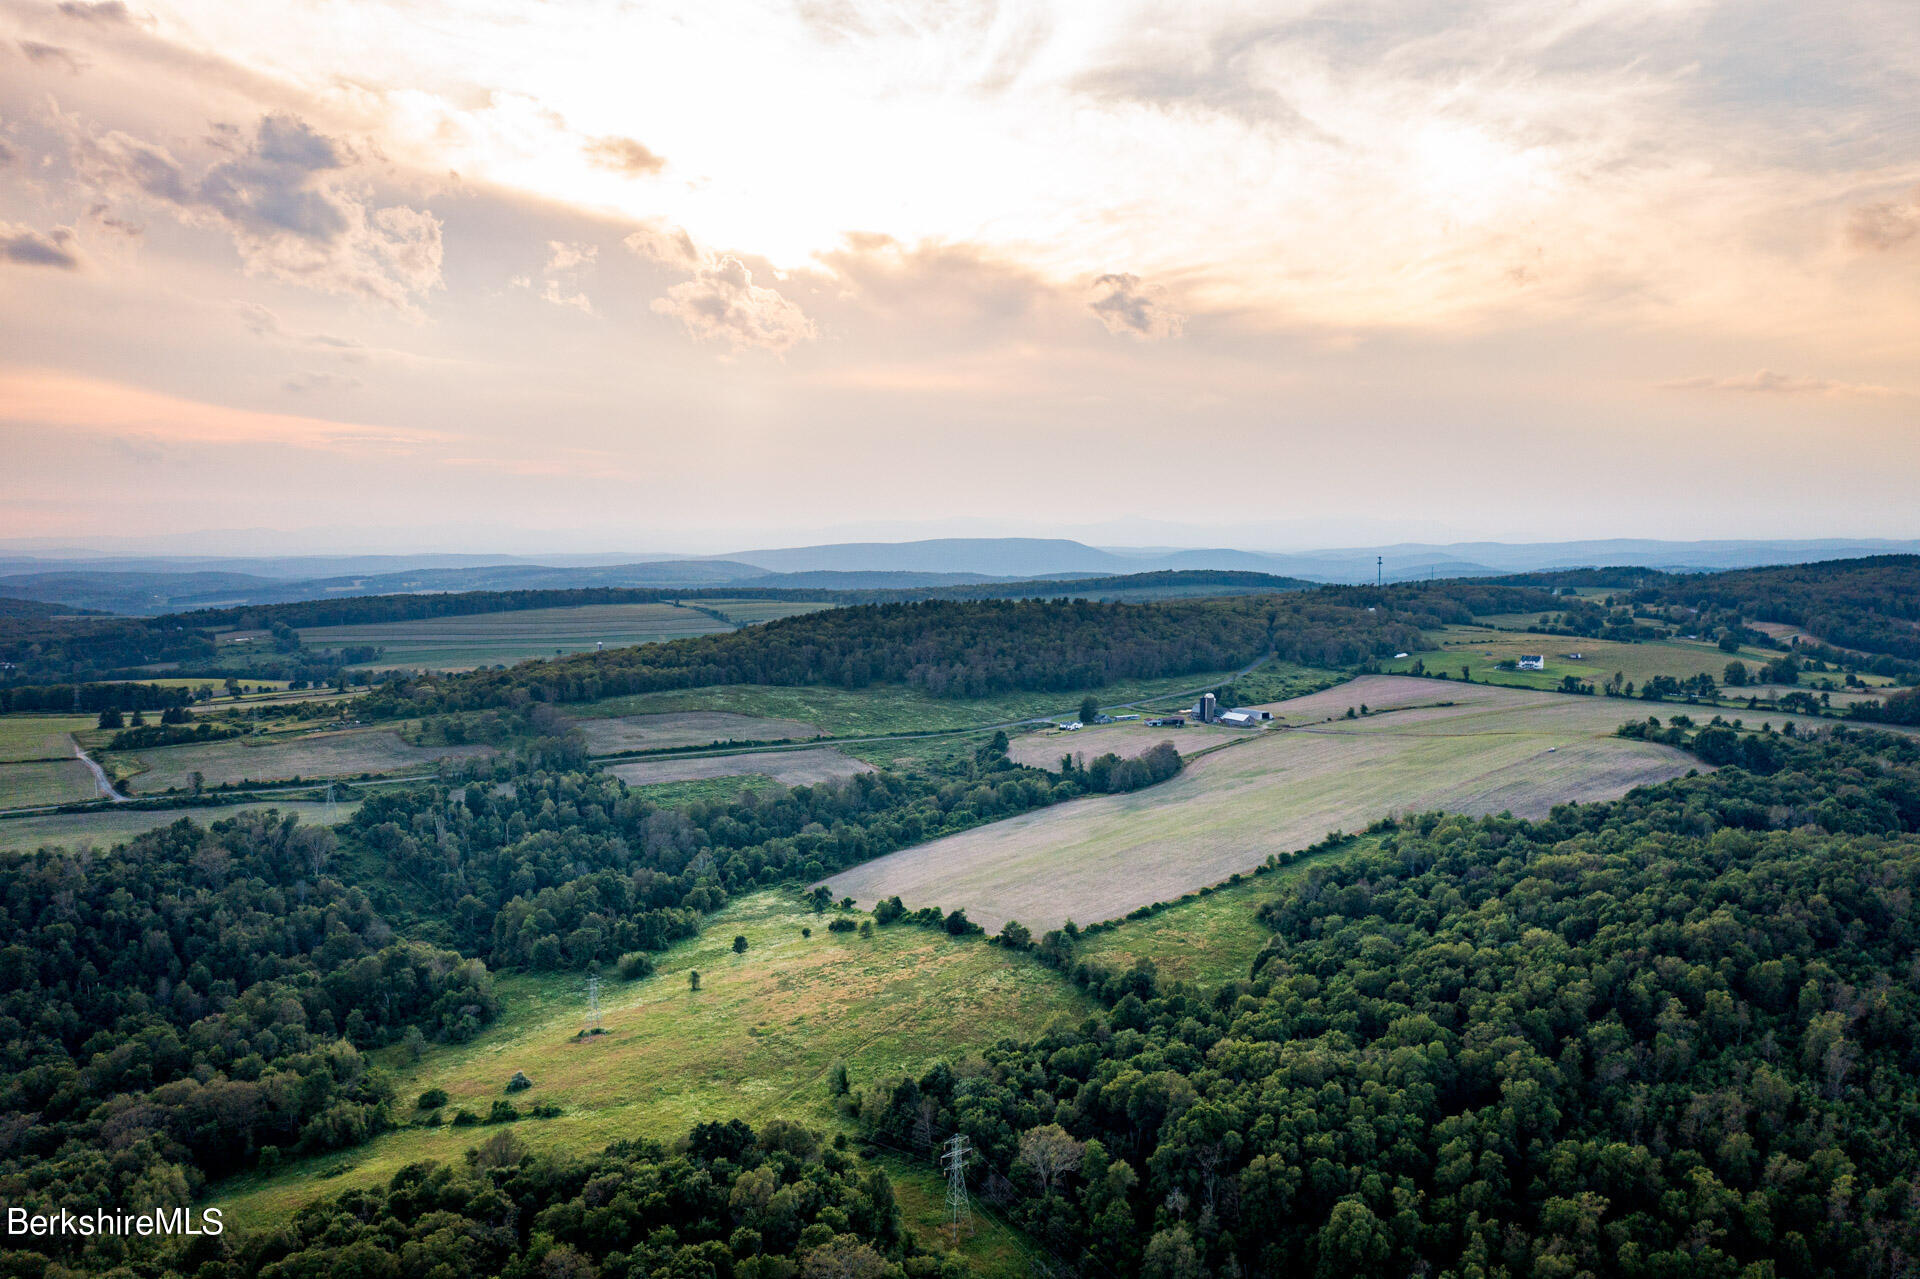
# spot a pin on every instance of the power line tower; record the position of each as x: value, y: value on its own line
x: 593, y: 1001
x: 1379, y: 571
x: 954, y: 1160
x: 330, y: 804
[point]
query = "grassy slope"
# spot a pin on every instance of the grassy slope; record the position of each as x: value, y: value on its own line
x: 1482, y: 648
x: 755, y: 1042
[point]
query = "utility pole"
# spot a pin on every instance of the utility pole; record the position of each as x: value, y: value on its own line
x: 954, y: 1160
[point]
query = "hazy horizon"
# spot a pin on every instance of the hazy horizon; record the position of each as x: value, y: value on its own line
x: 719, y: 276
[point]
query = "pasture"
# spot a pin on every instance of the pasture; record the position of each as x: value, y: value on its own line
x: 1128, y: 740
x: 1490, y: 750
x: 109, y: 827
x: 843, y: 712
x: 283, y: 758
x: 788, y: 768
x: 687, y: 728
x: 1481, y: 649
x: 486, y: 639
x: 755, y: 1042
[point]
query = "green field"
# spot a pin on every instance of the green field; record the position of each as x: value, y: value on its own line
x: 889, y: 709
x: 687, y: 728
x: 110, y: 826
x: 484, y: 639
x: 789, y: 768
x: 37, y: 784
x: 281, y: 758
x: 755, y: 1042
x: 1482, y: 648
x: 1492, y: 750
x: 40, y: 736
x: 708, y: 790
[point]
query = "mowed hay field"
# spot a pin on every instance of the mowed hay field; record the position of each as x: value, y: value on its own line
x: 687, y: 728
x: 789, y: 768
x: 483, y: 639
x: 1494, y: 749
x: 755, y: 1042
x: 111, y: 826
x: 32, y: 785
x: 315, y: 755
x: 1127, y: 740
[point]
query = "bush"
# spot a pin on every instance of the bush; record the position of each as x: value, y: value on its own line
x: 634, y: 965
x: 432, y: 1099
x: 503, y: 1112
x: 464, y: 1118
x: 519, y: 1082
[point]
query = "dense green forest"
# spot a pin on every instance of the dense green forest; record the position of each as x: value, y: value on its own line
x: 1674, y: 1035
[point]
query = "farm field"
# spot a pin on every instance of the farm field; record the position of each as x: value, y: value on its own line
x: 755, y: 1042
x: 1127, y: 740
x: 788, y: 768
x: 1206, y: 941
x: 342, y: 754
x: 40, y: 736
x: 1493, y: 749
x: 30, y: 785
x: 108, y: 827
x: 687, y: 728
x: 484, y: 639
x: 1481, y: 649
x: 894, y: 709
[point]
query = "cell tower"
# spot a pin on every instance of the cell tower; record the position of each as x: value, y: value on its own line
x: 954, y: 1160
x: 1379, y: 571
x: 593, y: 1001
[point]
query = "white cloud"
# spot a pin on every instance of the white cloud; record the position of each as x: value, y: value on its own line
x: 1768, y: 382
x: 720, y: 303
x: 1125, y: 305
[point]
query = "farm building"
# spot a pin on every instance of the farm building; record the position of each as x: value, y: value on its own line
x: 1532, y: 662
x: 1257, y: 714
x: 1238, y: 719
x: 1168, y: 721
x: 1207, y: 708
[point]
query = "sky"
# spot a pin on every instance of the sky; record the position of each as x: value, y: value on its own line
x: 498, y: 275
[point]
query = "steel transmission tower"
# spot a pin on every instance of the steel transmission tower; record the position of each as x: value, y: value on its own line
x: 954, y: 1160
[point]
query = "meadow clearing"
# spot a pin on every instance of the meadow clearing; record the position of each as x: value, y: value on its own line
x: 757, y: 1041
x: 1044, y: 748
x: 348, y: 753
x: 687, y: 728
x: 484, y: 639
x: 1490, y: 750
x: 24, y: 737
x: 108, y: 827
x: 43, y: 782
x: 789, y: 768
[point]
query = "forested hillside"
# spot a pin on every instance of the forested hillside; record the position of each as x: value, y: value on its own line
x: 949, y: 649
x: 1675, y: 1035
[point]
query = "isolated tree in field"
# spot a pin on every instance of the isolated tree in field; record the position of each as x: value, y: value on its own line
x: 138, y: 720
x: 693, y: 979
x: 112, y: 718
x: 196, y: 781
x: 739, y: 944
x: 1051, y: 1152
x: 1730, y: 642
x: 233, y: 687
x: 1089, y: 710
x: 1735, y: 676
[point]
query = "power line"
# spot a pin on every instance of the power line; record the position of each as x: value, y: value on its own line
x: 959, y: 1210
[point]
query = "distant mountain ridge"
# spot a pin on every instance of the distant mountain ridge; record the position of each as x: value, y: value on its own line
x: 155, y: 585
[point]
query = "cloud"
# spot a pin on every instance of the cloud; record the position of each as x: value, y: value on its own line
x: 103, y: 217
x: 104, y: 11
x: 321, y: 380
x: 27, y: 247
x: 7, y: 154
x: 49, y: 54
x: 1768, y: 382
x: 560, y: 278
x: 1125, y: 306
x: 624, y: 155
x: 1885, y: 225
x: 281, y: 198
x: 262, y: 322
x: 721, y: 303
